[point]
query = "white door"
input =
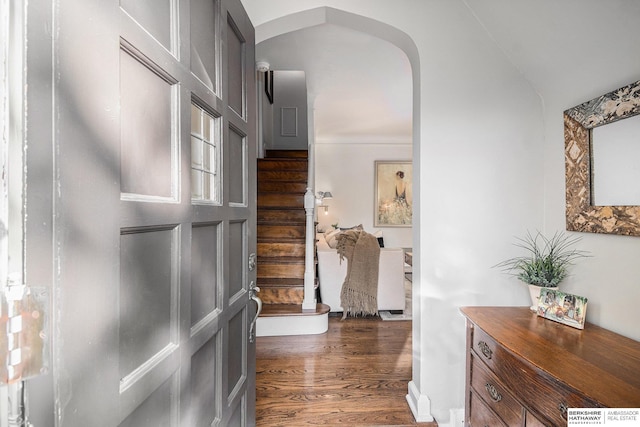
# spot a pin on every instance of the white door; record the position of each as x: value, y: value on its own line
x: 149, y: 174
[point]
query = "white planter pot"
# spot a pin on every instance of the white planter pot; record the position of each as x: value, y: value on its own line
x: 534, y: 291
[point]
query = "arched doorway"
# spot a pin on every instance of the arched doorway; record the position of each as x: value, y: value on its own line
x: 325, y: 15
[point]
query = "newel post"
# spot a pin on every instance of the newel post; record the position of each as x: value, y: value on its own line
x: 309, y: 302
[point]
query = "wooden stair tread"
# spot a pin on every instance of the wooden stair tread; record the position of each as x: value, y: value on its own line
x: 274, y: 281
x: 271, y: 310
x: 300, y: 221
x: 280, y: 187
x: 274, y: 251
x: 288, y: 208
x: 285, y: 260
x: 282, y: 239
x: 286, y: 230
x: 281, y: 193
x: 298, y: 163
x: 283, y: 176
x: 282, y: 208
x: 266, y: 219
x: 265, y: 235
x: 286, y: 154
x: 292, y: 223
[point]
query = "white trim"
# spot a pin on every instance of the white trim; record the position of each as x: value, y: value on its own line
x: 5, y: 120
x: 283, y: 325
x: 367, y: 139
x: 309, y: 301
x: 456, y: 417
x: 420, y: 404
x: 288, y: 132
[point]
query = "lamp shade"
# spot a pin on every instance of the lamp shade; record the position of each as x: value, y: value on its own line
x: 327, y: 195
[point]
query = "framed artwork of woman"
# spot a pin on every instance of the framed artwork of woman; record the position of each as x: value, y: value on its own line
x: 393, y: 196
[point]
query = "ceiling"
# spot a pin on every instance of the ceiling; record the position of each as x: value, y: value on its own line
x: 358, y: 85
x: 568, y: 43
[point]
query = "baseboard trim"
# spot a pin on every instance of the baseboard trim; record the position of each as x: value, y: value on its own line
x: 419, y: 403
x: 284, y: 325
x: 456, y: 417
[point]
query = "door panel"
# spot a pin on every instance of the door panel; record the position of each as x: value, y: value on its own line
x: 154, y: 16
x: 235, y: 65
x: 159, y: 409
x: 148, y: 139
x: 154, y: 136
x: 148, y: 292
x: 205, y: 282
x: 237, y: 259
x: 237, y: 167
x: 205, y: 43
x: 204, y: 383
x: 236, y: 367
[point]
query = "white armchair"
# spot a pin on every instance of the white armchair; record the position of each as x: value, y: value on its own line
x: 332, y: 272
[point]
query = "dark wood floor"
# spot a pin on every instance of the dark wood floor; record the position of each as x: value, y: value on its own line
x: 354, y: 375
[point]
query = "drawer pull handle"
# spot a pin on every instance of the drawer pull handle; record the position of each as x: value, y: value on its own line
x: 484, y: 348
x: 493, y: 392
x: 563, y: 409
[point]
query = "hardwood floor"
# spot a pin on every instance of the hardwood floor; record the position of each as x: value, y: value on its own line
x: 356, y: 374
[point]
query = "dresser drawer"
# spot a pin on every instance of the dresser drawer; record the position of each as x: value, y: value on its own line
x: 487, y: 349
x: 532, y: 421
x: 481, y: 415
x: 536, y: 389
x: 551, y: 399
x: 494, y: 394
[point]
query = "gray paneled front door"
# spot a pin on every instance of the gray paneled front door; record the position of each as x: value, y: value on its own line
x: 153, y: 195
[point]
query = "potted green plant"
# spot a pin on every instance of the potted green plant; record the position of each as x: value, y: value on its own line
x: 545, y: 262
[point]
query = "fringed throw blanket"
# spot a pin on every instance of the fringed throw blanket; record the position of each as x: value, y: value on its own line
x: 359, y: 295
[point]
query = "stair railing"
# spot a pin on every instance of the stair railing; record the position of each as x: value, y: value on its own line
x: 309, y: 301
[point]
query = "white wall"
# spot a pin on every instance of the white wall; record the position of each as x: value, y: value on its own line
x: 347, y: 170
x: 569, y: 64
x: 290, y: 93
x: 481, y: 165
x: 489, y: 162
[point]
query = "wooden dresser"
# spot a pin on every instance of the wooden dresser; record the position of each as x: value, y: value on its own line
x: 524, y: 370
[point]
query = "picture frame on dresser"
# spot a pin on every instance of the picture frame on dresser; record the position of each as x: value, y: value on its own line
x: 393, y: 197
x: 568, y: 309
